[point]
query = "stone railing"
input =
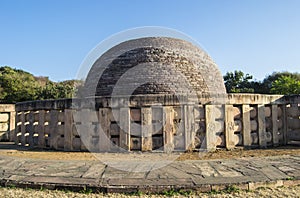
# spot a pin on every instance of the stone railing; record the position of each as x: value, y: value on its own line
x: 292, y: 119
x: 7, y: 122
x: 148, y: 123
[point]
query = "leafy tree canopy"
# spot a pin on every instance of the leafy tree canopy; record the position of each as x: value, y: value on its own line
x: 276, y: 83
x: 286, y: 85
x: 18, y: 85
x: 238, y: 82
x: 266, y: 84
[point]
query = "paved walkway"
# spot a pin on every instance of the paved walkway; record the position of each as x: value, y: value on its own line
x: 151, y: 172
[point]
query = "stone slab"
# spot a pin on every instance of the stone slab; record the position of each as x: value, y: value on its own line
x: 126, y: 174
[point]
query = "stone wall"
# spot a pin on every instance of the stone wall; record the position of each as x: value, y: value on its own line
x: 158, y: 122
x: 7, y: 122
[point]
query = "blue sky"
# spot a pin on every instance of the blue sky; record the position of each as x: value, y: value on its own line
x: 52, y: 38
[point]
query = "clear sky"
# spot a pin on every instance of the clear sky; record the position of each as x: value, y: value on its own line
x: 52, y: 37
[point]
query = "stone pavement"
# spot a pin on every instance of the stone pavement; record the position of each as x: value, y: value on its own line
x: 149, y: 173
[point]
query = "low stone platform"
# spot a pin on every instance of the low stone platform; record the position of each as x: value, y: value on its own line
x: 149, y: 173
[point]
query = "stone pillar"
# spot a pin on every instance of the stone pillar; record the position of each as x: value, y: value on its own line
x: 168, y: 129
x: 104, y: 129
x: 262, y: 139
x: 275, y: 125
x: 146, y: 121
x: 17, y: 135
x: 284, y: 124
x: 210, y: 132
x: 83, y: 129
x: 125, y: 128
x: 23, y: 128
x: 68, y: 130
x: 41, y: 129
x: 53, y: 128
x: 189, y: 130
x: 12, y: 124
x: 30, y: 128
x: 247, y: 139
x: 229, y: 127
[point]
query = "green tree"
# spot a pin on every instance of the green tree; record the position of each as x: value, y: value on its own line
x: 286, y: 85
x: 238, y: 82
x: 65, y: 89
x: 267, y: 83
x: 17, y: 85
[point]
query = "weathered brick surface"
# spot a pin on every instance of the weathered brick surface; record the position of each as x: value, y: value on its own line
x: 154, y: 65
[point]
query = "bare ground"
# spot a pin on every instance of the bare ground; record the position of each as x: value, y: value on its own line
x: 218, y: 154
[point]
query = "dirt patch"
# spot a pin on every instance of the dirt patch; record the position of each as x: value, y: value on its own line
x: 240, y: 152
x: 218, y: 154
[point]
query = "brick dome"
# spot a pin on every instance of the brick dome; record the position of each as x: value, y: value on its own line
x: 155, y: 65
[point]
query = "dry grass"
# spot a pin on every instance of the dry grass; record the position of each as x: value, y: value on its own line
x: 283, y: 192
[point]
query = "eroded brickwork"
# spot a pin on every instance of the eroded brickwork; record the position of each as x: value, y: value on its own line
x: 155, y: 66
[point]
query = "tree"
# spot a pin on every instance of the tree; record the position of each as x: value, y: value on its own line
x: 267, y: 83
x: 238, y: 82
x: 276, y: 83
x: 286, y: 85
x: 17, y: 85
x: 65, y: 89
